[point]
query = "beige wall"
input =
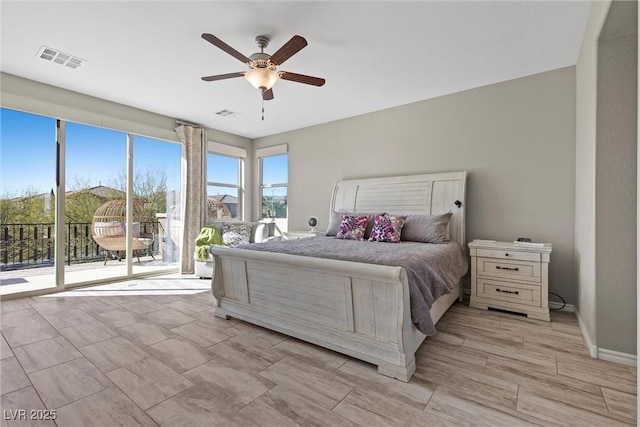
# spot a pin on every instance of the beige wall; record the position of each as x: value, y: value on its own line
x: 616, y: 193
x: 585, y: 203
x: 516, y: 139
x: 606, y: 173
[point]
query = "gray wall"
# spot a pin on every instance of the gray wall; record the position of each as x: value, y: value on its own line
x: 616, y: 166
x: 516, y: 139
x: 606, y: 168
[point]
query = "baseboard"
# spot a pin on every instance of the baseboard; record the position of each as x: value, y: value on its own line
x: 617, y: 357
x: 593, y: 350
x: 559, y: 306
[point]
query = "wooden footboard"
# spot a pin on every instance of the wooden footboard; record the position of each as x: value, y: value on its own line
x: 361, y: 310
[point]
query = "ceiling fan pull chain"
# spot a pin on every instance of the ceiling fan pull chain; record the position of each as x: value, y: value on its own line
x: 263, y: 110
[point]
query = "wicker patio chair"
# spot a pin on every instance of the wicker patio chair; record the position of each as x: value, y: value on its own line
x: 108, y: 229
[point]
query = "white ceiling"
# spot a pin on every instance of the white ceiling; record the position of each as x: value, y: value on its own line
x: 373, y: 55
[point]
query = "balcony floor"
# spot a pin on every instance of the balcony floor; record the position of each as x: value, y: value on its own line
x: 38, y: 278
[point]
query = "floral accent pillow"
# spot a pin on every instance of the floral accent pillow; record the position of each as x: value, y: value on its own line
x: 352, y: 227
x: 236, y: 234
x: 387, y: 228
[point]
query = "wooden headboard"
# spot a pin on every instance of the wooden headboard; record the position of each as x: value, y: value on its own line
x: 429, y: 194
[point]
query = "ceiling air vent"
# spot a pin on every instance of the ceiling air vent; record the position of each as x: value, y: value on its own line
x: 228, y: 114
x: 58, y: 57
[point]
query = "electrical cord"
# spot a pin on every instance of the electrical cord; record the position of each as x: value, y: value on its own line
x: 564, y: 303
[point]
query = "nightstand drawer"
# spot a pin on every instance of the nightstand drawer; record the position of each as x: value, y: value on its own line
x: 510, y: 292
x: 508, y: 269
x: 522, y: 256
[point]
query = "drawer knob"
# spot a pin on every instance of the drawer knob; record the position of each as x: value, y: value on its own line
x: 508, y: 268
x: 507, y: 254
x: 506, y: 292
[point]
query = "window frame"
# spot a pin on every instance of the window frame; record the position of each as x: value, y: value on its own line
x: 261, y: 154
x: 239, y: 154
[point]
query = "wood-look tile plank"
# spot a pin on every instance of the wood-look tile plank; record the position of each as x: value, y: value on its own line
x: 118, y: 318
x: 367, y: 407
x: 533, y: 376
x: 196, y: 407
x: 236, y: 358
x: 309, y: 353
x: 315, y: 384
x: 148, y: 382
x: 553, y: 342
x: 168, y: 318
x: 600, y: 372
x: 201, y: 333
x: 67, y: 382
x: 465, y: 357
x: 25, y: 327
x: 13, y: 376
x: 27, y: 400
x: 109, y: 407
x: 46, y: 353
x: 233, y: 386
x: 621, y: 404
x: 112, y: 354
x: 142, y: 305
x: 561, y: 413
x: 65, y: 318
x: 5, y: 350
x: 472, y: 385
x: 416, y: 393
x: 145, y: 333
x: 87, y: 333
x: 282, y: 407
x: 496, y: 336
x: 459, y: 411
x: 181, y: 354
x: 188, y: 307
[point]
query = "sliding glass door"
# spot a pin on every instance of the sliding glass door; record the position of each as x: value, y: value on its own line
x: 95, y: 168
x: 27, y: 201
x: 108, y: 218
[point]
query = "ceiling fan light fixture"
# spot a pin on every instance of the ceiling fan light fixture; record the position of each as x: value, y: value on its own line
x: 261, y: 78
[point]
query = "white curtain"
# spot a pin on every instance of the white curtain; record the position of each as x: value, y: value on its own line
x: 193, y: 192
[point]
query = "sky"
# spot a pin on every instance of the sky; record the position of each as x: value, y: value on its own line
x: 94, y: 156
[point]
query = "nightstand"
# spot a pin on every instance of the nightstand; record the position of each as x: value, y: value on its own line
x: 293, y: 235
x: 510, y: 276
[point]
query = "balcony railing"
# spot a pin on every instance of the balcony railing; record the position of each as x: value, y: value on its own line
x: 32, y: 245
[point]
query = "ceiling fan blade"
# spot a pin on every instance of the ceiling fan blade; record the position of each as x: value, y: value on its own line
x: 301, y: 78
x: 267, y: 95
x: 289, y: 49
x: 222, y: 45
x: 222, y: 77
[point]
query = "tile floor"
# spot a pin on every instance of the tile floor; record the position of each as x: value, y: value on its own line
x: 150, y: 352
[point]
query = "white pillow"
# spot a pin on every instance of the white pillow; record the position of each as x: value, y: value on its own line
x: 260, y: 232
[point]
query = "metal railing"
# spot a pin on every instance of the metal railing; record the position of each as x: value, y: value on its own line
x: 32, y: 245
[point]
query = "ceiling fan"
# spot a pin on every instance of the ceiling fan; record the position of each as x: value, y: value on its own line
x: 262, y: 72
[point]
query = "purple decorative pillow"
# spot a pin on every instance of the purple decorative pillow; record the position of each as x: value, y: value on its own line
x: 352, y: 227
x: 387, y: 228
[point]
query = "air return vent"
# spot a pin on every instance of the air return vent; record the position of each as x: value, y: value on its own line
x: 228, y: 114
x: 53, y: 55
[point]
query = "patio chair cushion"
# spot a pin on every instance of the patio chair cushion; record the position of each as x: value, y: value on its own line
x: 108, y: 229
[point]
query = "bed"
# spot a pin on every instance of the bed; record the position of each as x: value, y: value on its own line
x: 359, y: 309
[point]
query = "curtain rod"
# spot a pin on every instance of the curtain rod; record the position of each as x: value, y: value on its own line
x: 182, y: 122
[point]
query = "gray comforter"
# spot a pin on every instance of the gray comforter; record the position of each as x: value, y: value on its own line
x: 432, y: 269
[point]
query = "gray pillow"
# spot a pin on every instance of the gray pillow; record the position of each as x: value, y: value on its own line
x: 335, y: 219
x: 427, y: 228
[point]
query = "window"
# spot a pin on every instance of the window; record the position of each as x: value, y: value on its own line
x: 224, y: 191
x: 273, y: 186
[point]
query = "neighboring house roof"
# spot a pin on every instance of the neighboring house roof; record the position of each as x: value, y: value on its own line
x: 226, y: 198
